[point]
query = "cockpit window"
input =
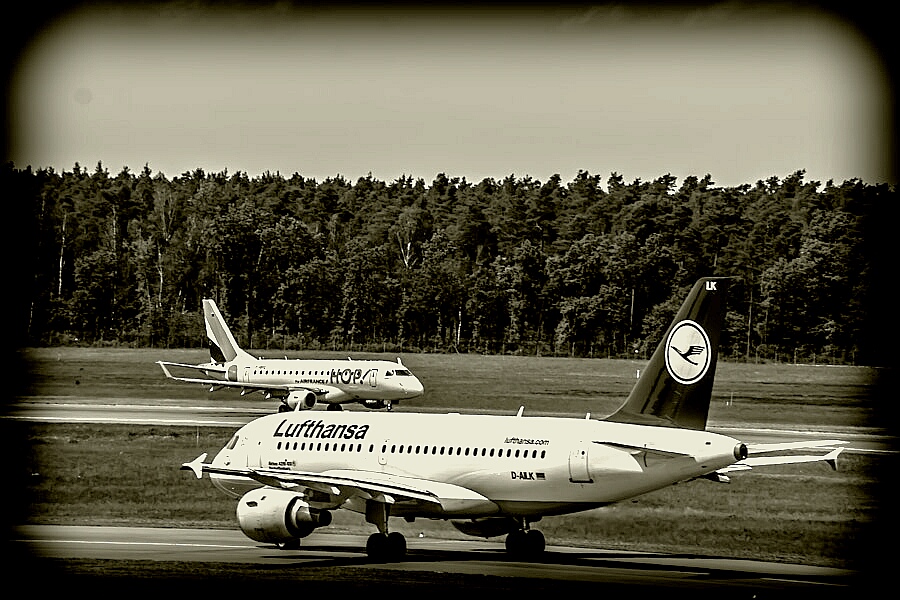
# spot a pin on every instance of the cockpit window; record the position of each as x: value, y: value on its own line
x: 232, y: 443
x: 388, y: 373
x: 404, y: 372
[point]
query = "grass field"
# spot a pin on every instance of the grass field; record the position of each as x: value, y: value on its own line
x: 770, y: 394
x: 117, y: 474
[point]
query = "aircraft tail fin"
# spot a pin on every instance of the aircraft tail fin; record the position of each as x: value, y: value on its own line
x: 222, y: 346
x: 676, y: 386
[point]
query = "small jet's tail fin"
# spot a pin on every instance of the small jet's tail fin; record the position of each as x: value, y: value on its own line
x: 222, y: 346
x: 676, y: 386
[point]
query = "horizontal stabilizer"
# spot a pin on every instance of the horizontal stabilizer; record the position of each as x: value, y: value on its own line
x: 195, y: 465
x: 780, y: 447
x: 759, y: 461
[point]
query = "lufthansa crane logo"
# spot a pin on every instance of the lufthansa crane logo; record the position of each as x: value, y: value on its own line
x: 687, y: 352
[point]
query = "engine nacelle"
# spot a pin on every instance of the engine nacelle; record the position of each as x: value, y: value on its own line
x: 486, y: 528
x: 304, y: 399
x: 374, y: 404
x: 275, y: 516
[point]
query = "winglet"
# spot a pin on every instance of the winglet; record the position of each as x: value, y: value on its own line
x: 195, y: 465
x: 831, y: 458
x: 165, y: 370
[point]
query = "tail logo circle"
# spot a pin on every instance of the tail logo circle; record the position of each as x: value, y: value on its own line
x: 687, y: 352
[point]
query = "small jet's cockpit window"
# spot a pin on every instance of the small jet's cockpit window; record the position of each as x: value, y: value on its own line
x: 388, y: 373
x: 232, y: 443
x: 404, y: 373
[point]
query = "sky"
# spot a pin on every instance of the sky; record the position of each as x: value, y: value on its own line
x: 739, y: 91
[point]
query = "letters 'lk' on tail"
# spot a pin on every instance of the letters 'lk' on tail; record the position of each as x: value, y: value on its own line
x: 676, y: 386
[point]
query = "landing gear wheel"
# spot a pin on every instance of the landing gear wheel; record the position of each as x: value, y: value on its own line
x: 383, y: 547
x: 334, y: 407
x: 284, y: 408
x: 396, y: 545
x: 525, y: 544
x: 290, y: 545
x: 535, y: 542
x: 377, y: 546
x: 515, y: 543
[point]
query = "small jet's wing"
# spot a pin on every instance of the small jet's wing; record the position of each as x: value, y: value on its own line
x: 344, y: 485
x: 205, y: 368
x: 287, y: 388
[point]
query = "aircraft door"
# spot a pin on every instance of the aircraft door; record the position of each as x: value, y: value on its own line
x: 247, y: 374
x: 254, y: 455
x: 373, y: 376
x: 578, y: 464
x: 383, y: 453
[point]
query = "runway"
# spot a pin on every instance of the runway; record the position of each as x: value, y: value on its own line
x: 237, y: 414
x: 180, y: 556
x: 113, y: 558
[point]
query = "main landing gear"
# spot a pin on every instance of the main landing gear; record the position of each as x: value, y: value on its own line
x: 381, y: 547
x: 525, y: 542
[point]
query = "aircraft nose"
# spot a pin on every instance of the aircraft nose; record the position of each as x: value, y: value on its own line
x: 415, y: 388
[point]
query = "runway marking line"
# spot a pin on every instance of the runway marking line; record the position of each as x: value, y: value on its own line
x: 109, y: 543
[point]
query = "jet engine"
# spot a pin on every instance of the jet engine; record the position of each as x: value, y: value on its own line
x: 276, y: 516
x: 305, y: 399
x: 374, y: 404
x: 486, y: 528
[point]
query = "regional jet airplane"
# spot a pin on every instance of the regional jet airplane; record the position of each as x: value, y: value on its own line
x: 492, y: 475
x: 300, y: 384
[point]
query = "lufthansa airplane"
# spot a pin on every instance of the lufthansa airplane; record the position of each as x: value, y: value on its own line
x: 300, y: 384
x: 492, y: 475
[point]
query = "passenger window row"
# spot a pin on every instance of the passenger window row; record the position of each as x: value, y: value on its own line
x: 401, y: 449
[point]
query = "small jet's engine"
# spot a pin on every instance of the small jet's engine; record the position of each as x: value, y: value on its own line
x: 276, y: 516
x: 374, y: 404
x: 305, y: 399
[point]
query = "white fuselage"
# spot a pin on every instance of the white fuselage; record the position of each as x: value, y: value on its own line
x: 522, y: 465
x: 343, y: 380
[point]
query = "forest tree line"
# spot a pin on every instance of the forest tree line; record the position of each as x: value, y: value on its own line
x: 580, y: 268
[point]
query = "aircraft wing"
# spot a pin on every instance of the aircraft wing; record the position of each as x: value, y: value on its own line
x: 207, y: 368
x: 319, y: 390
x: 368, y: 485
